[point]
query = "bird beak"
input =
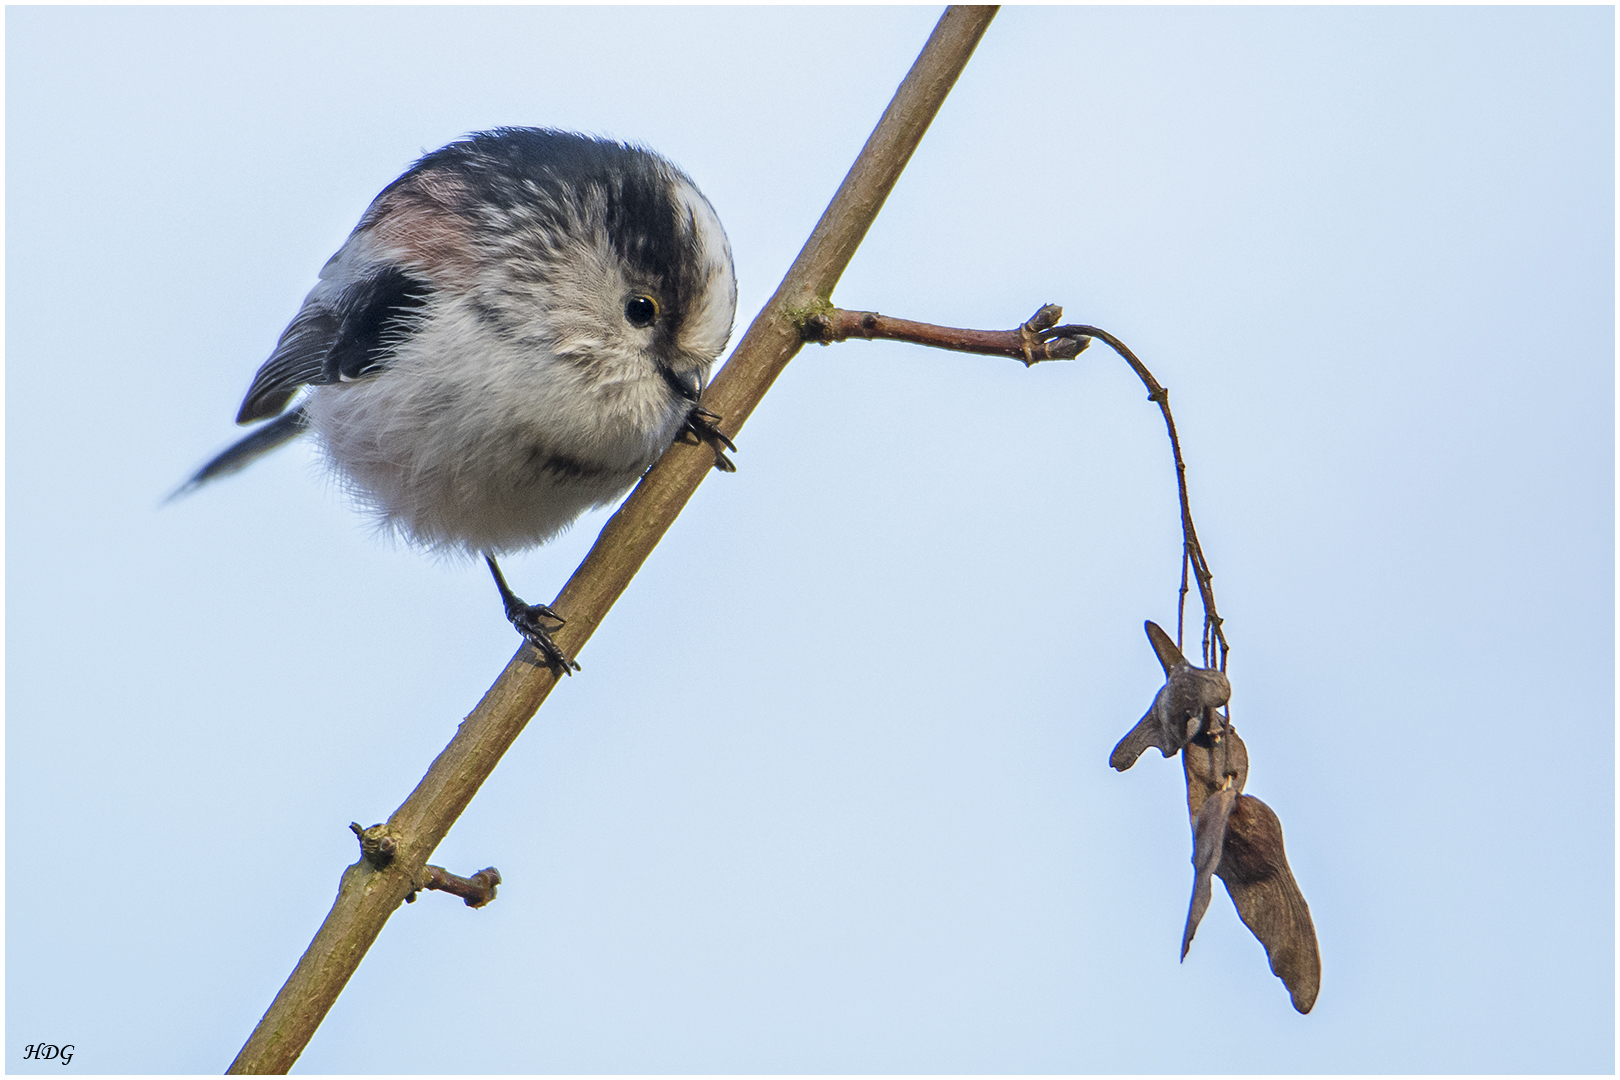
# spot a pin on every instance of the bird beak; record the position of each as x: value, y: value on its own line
x: 688, y: 385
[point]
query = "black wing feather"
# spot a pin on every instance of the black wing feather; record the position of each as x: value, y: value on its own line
x: 323, y: 345
x: 299, y: 358
x: 378, y: 316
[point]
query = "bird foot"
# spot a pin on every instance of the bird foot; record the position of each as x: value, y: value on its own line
x: 531, y: 621
x: 700, y: 427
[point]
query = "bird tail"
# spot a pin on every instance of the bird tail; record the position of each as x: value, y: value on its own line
x: 244, y: 451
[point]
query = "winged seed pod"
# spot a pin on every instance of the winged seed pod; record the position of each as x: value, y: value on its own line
x: 1208, y: 760
x: 1254, y: 869
x: 1209, y: 837
x: 1216, y: 765
x: 1179, y: 708
x: 1236, y: 837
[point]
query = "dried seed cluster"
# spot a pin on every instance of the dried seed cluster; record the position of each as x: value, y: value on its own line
x: 1236, y: 837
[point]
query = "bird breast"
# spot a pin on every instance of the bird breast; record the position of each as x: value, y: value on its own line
x: 498, y: 450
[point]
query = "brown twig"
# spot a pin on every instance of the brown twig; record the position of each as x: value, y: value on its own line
x: 1038, y: 339
x: 1032, y: 342
x: 378, y: 847
x: 1214, y: 638
x: 368, y: 895
x: 477, y: 890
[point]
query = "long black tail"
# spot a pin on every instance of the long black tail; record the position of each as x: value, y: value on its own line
x: 262, y: 440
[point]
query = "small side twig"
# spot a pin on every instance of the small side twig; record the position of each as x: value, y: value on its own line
x: 1033, y: 342
x: 378, y: 846
x: 477, y: 890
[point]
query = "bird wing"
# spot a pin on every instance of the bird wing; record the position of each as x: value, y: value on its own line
x: 338, y: 337
x: 379, y: 314
x: 299, y: 358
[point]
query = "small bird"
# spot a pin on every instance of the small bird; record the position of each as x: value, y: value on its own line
x: 516, y: 330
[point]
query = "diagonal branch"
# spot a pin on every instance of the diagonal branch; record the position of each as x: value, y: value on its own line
x: 367, y: 894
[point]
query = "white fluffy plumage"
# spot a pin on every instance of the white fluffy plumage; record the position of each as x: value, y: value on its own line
x: 475, y: 369
x: 515, y: 331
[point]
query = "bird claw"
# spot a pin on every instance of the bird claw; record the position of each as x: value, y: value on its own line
x: 701, y: 427
x: 529, y: 620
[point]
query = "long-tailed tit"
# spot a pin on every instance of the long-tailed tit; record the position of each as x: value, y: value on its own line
x: 516, y: 330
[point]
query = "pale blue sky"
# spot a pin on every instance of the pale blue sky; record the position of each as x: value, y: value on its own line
x: 831, y: 792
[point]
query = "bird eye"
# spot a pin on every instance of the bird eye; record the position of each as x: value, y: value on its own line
x: 641, y: 310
